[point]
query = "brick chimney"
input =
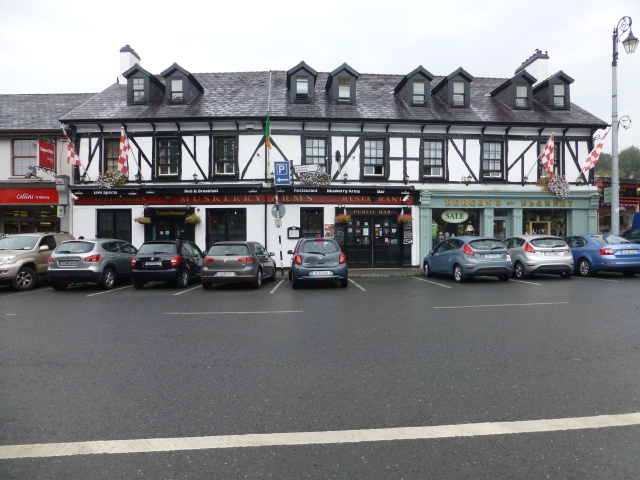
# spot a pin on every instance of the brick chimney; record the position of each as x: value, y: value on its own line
x: 128, y: 58
x: 536, y: 65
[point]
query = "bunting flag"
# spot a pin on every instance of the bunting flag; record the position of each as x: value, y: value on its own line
x: 267, y: 133
x: 123, y: 156
x: 594, y: 156
x: 72, y: 156
x: 547, y: 156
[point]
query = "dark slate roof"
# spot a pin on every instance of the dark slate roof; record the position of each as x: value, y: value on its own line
x: 251, y: 95
x: 37, y: 112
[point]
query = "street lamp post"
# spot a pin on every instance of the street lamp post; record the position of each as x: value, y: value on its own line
x: 630, y: 44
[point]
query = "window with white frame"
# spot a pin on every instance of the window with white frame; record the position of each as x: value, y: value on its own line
x: 344, y: 88
x: 137, y: 85
x: 373, y: 158
x: 459, y: 98
x: 559, y: 95
x: 111, y: 154
x: 177, y: 92
x: 433, y: 159
x: 522, y: 95
x: 224, y: 156
x: 168, y: 158
x: 302, y: 89
x: 492, y: 159
x: 419, y: 92
x: 557, y: 159
x: 315, y: 153
x: 25, y: 155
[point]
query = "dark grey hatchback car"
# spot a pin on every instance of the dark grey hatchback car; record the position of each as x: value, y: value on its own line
x: 317, y: 259
x: 177, y: 261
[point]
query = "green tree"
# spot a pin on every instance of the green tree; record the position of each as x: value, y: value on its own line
x: 628, y: 163
x: 603, y: 167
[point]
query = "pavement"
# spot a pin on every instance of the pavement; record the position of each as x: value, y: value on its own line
x: 385, y: 272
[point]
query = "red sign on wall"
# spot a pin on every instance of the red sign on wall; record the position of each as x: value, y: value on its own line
x: 13, y: 196
x: 46, y: 155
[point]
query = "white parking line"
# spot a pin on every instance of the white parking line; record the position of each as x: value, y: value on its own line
x: 525, y: 281
x: 507, y: 305
x: 232, y: 313
x: 599, y: 279
x: 431, y: 282
x: 316, y: 438
x: 108, y: 291
x: 358, y: 285
x: 276, y: 287
x: 187, y: 290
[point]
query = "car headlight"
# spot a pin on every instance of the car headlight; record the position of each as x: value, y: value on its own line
x: 7, y: 260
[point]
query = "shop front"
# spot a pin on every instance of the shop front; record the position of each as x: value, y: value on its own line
x: 446, y: 214
x: 29, y: 207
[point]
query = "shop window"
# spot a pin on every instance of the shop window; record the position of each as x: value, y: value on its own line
x: 544, y: 222
x: 25, y: 155
x: 315, y: 153
x: 442, y: 226
x: 111, y: 154
x: 114, y: 224
x: 226, y: 224
x: 311, y: 222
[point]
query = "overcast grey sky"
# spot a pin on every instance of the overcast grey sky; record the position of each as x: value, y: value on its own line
x: 73, y: 47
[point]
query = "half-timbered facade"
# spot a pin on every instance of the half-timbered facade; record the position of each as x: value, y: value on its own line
x: 459, y: 153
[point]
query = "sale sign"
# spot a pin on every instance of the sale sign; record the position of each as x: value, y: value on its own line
x: 46, y: 155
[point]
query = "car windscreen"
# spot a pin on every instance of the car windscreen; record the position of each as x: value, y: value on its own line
x: 548, y: 242
x: 74, y: 247
x: 609, y: 239
x: 18, y: 243
x: 486, y: 244
x: 319, y: 247
x: 157, y: 248
x: 223, y: 250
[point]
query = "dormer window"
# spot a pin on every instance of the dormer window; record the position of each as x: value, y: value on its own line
x: 301, y: 83
x: 142, y: 87
x: 177, y: 93
x: 341, y: 85
x: 415, y: 87
x: 302, y: 89
x: 138, y: 90
x: 181, y: 86
x: 559, y: 96
x: 516, y: 92
x: 554, y: 92
x: 419, y: 92
x: 459, y: 97
x: 522, y: 95
x: 455, y: 90
x: 344, y: 89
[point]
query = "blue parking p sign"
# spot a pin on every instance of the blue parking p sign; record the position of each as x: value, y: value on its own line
x: 281, y: 172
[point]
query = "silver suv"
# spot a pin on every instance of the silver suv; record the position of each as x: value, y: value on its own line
x: 23, y: 257
x: 102, y: 261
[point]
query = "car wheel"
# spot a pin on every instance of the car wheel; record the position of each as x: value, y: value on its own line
x: 295, y: 284
x: 59, y: 286
x: 584, y: 268
x: 207, y: 285
x: 183, y: 279
x: 108, y: 278
x: 458, y: 276
x: 629, y: 274
x: 565, y: 275
x: 257, y: 283
x: 344, y: 282
x: 518, y: 271
x: 290, y: 276
x: 26, y: 279
x: 137, y: 284
x: 503, y: 278
x: 427, y: 270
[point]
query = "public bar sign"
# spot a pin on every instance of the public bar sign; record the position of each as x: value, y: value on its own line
x: 455, y: 216
x: 46, y: 155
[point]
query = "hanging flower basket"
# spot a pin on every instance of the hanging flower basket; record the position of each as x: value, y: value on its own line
x: 559, y: 187
x: 343, y: 218
x: 142, y: 220
x: 315, y: 179
x: 404, y: 218
x: 193, y: 219
x: 111, y: 179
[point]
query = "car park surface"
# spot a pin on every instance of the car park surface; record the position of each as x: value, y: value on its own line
x: 539, y: 254
x: 604, y: 253
x: 103, y: 261
x: 175, y: 261
x: 234, y: 262
x: 318, y: 259
x: 465, y: 257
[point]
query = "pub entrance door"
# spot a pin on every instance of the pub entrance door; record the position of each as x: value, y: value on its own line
x: 373, y: 241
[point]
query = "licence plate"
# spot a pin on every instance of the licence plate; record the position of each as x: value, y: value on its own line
x: 629, y: 251
x: 552, y: 254
x: 225, y: 274
x: 67, y: 263
x: 492, y: 255
x: 152, y: 264
x: 320, y: 273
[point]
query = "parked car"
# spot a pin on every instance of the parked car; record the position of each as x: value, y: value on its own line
x: 604, y: 253
x: 465, y: 257
x: 632, y: 235
x: 23, y: 257
x: 235, y: 262
x: 539, y: 254
x: 318, y: 259
x: 178, y: 261
x: 103, y: 261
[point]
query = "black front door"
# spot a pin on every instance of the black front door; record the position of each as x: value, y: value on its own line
x: 372, y: 242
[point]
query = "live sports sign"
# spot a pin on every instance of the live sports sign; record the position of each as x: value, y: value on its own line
x: 46, y: 155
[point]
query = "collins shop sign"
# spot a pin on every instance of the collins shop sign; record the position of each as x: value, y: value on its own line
x: 16, y: 196
x: 454, y: 216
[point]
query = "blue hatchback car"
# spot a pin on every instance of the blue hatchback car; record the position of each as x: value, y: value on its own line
x: 465, y: 257
x: 604, y: 253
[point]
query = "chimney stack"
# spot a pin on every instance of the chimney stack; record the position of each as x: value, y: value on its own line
x: 537, y: 65
x: 128, y: 58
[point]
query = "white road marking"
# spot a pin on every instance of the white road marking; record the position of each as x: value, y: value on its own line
x: 187, y: 290
x: 232, y: 313
x: 508, y: 305
x: 525, y: 281
x: 315, y: 438
x: 358, y: 285
x: 276, y: 287
x: 431, y: 282
x: 593, y: 278
x: 108, y: 291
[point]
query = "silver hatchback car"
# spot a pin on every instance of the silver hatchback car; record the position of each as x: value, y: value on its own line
x: 100, y: 261
x: 540, y: 254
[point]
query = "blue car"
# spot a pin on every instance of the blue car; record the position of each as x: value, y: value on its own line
x: 604, y: 253
x: 465, y: 257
